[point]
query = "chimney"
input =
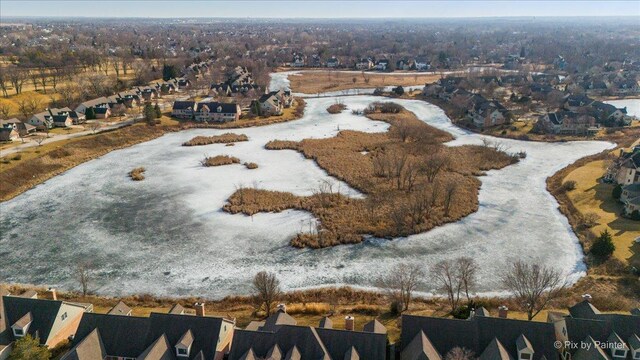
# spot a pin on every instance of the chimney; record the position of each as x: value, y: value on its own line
x: 587, y: 297
x: 199, y: 309
x: 503, y: 312
x: 52, y: 294
x: 349, y: 323
x: 282, y: 308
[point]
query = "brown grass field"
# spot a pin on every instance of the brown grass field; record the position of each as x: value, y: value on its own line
x: 225, y: 138
x: 312, y: 82
x: 394, y: 170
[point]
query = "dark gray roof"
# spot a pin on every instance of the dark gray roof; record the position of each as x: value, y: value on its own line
x: 305, y: 338
x: 181, y: 105
x: 225, y: 108
x: 478, y: 332
x: 369, y: 345
x: 43, y: 313
x: 91, y: 347
x: 130, y: 336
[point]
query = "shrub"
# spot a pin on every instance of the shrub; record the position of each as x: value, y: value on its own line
x: 569, y: 185
x: 219, y: 160
x: 137, y: 174
x: 603, y: 247
x: 251, y: 165
x: 366, y: 309
x: 17, y: 157
x: 309, y: 309
x: 336, y: 108
x: 590, y: 220
x: 617, y: 192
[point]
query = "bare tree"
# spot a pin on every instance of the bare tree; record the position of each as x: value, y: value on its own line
x: 400, y: 283
x: 434, y: 164
x: 458, y: 353
x: 95, y: 126
x: 454, y: 276
x: 449, y: 192
x: 533, y: 285
x: 468, y: 269
x: 267, y: 288
x: 39, y: 140
x: 83, y: 274
x: 445, y: 274
x: 5, y: 109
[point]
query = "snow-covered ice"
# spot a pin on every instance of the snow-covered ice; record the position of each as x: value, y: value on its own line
x: 167, y: 235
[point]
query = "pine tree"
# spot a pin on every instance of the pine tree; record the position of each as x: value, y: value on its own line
x: 157, y: 111
x: 603, y: 247
x: 90, y: 114
x: 149, y: 114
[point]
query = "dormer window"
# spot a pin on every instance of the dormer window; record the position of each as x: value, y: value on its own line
x: 21, y: 326
x: 620, y: 353
x: 183, y: 347
x: 525, y: 356
x: 219, y: 108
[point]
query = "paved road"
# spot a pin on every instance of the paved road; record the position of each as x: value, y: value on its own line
x: 59, y: 137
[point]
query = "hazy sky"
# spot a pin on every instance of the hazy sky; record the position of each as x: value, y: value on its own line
x: 317, y: 9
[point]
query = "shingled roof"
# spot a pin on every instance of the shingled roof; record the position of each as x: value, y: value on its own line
x: 131, y: 336
x: 42, y: 313
x: 478, y: 332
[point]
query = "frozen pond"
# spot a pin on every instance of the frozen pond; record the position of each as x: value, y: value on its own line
x: 632, y: 105
x: 166, y: 235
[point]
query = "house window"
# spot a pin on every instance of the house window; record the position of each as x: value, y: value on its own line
x: 619, y: 353
x: 637, y: 354
x: 18, y: 332
x: 525, y: 356
x: 64, y: 316
x: 182, y: 352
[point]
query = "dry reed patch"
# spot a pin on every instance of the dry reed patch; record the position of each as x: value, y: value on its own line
x: 219, y: 160
x: 137, y: 174
x: 313, y: 82
x: 53, y: 159
x: 225, y: 138
x: 251, y: 165
x: 412, y: 182
x: 336, y: 108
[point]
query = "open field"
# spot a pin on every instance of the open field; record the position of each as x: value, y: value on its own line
x: 312, y: 82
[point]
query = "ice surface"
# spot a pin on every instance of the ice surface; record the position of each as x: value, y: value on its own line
x: 166, y: 235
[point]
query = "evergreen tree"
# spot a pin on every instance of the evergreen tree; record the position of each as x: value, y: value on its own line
x: 169, y: 72
x: 603, y: 247
x: 617, y: 192
x: 28, y: 348
x: 90, y: 113
x: 157, y: 111
x: 149, y: 114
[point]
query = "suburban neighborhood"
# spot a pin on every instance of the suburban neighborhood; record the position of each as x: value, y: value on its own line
x: 319, y: 180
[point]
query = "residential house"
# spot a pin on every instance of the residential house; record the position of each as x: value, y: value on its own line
x: 82, y: 108
x: 404, y: 64
x: 49, y: 320
x: 183, y: 83
x: 270, y: 104
x: 627, y: 168
x: 217, y: 112
x: 298, y: 60
x: 333, y: 62
x: 485, y: 113
x: 616, y: 334
x: 382, y: 65
x: 120, y: 309
x: 364, y: 64
x: 147, y: 93
x: 159, y: 336
x: 8, y: 134
x: 632, y: 207
x: 630, y: 197
x: 52, y: 117
x: 567, y: 122
x: 422, y: 64
x: 279, y: 337
x: 102, y: 111
x: 183, y: 109
x: 490, y: 338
